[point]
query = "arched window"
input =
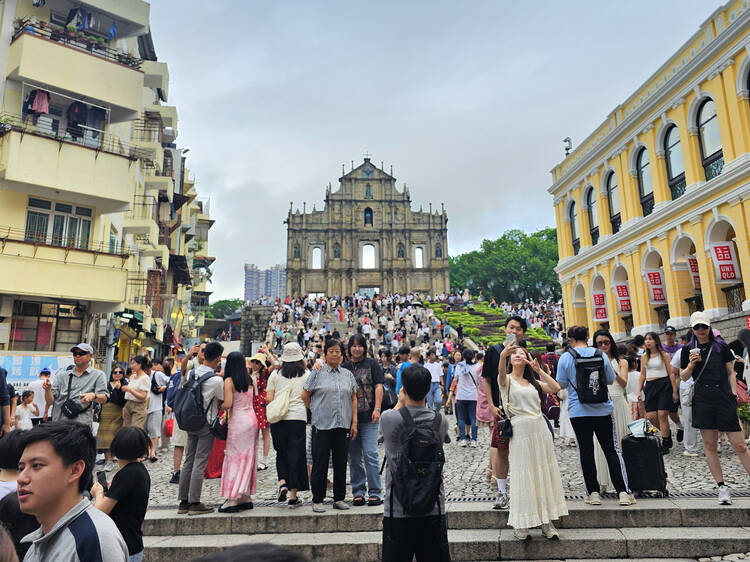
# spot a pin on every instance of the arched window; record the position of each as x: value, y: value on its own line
x: 573, y: 216
x: 317, y: 258
x: 296, y: 251
x: 368, y: 256
x: 418, y: 258
x: 614, y: 203
x: 368, y: 192
x: 400, y: 251
x: 593, y: 218
x: 337, y: 250
x: 368, y: 216
x: 709, y: 139
x: 675, y: 162
x: 645, y: 184
x: 438, y: 251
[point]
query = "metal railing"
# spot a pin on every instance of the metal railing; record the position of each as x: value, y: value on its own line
x: 144, y: 207
x: 89, y: 138
x: 146, y: 131
x: 147, y: 290
x: 36, y: 238
x: 735, y: 296
x: 80, y: 40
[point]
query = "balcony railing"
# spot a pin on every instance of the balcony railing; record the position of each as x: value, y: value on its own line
x: 647, y: 204
x: 9, y: 234
x: 143, y: 290
x: 90, y: 138
x: 144, y: 207
x: 144, y: 131
x: 80, y: 40
x: 678, y: 188
x: 713, y: 167
x: 735, y: 296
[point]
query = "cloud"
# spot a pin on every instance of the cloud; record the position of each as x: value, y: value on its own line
x: 469, y: 101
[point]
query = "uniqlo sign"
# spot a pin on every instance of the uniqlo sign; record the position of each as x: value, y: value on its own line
x: 600, y: 307
x: 694, y: 272
x: 623, y: 297
x: 725, y: 262
x: 655, y: 278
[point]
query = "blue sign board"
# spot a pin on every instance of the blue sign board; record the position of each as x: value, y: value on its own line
x: 24, y: 366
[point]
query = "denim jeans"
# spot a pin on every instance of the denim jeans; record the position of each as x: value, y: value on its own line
x: 466, y: 413
x: 434, y: 397
x: 363, y: 461
x: 136, y: 557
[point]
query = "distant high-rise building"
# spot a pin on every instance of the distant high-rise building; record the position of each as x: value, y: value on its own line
x: 261, y: 283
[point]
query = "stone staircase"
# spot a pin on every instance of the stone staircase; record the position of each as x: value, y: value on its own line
x: 652, y: 529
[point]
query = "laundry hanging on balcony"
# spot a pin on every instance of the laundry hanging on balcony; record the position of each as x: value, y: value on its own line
x: 38, y: 3
x: 36, y: 103
x: 77, y: 114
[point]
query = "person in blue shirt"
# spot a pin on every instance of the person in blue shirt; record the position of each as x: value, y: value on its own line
x: 414, y: 356
x: 592, y: 419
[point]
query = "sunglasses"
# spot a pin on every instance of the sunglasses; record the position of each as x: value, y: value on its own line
x: 118, y: 372
x: 700, y: 327
x: 600, y: 343
x: 79, y: 353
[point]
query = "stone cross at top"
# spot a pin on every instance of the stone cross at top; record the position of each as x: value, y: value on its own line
x: 367, y: 155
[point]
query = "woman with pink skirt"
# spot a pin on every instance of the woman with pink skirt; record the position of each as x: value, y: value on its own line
x: 239, y: 471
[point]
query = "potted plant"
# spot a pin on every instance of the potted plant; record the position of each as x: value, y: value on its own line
x: 90, y: 40
x: 71, y: 31
x: 6, y: 124
x: 743, y: 412
x: 43, y: 24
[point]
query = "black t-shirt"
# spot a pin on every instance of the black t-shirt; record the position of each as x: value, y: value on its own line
x: 367, y: 373
x: 715, y: 372
x: 489, y: 370
x: 130, y: 487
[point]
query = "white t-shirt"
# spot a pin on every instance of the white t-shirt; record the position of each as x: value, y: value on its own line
x: 436, y: 370
x: 141, y: 383
x: 36, y: 388
x: 278, y: 383
x: 23, y: 416
x: 675, y: 362
x: 8, y: 488
x: 632, y: 386
x: 154, y: 405
x: 468, y: 380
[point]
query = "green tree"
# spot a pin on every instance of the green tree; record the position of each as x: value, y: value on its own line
x: 515, y: 267
x: 223, y: 308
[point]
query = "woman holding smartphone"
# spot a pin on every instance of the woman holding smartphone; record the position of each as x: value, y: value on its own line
x: 710, y: 363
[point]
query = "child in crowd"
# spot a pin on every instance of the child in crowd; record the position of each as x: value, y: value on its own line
x: 637, y: 407
x: 26, y: 410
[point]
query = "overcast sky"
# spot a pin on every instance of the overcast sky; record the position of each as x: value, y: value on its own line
x: 469, y: 101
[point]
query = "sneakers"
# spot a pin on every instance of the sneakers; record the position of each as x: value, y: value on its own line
x: 343, y: 506
x: 183, y: 508
x: 175, y: 477
x: 689, y: 454
x: 680, y: 435
x: 283, y: 490
x: 318, y: 508
x: 294, y: 503
x: 463, y: 442
x: 502, y: 501
x: 724, y: 497
x: 473, y: 444
x: 626, y: 499
x: 593, y: 499
x: 199, y: 509
x: 521, y: 534
x: 549, y: 532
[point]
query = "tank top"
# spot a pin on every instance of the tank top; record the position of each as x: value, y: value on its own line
x: 655, y: 368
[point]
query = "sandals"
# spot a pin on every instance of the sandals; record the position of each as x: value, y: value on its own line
x: 262, y: 466
x: 153, y: 459
x: 358, y: 501
x: 374, y: 500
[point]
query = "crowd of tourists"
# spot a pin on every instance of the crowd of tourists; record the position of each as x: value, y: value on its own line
x: 336, y: 379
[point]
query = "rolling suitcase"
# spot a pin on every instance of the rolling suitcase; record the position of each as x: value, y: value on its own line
x: 644, y: 463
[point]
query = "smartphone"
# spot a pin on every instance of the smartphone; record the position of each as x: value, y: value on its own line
x: 510, y: 339
x: 101, y: 477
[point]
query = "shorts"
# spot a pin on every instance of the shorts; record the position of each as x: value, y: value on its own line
x: 179, y: 437
x: 715, y: 407
x: 498, y: 442
x: 153, y: 424
x: 658, y: 395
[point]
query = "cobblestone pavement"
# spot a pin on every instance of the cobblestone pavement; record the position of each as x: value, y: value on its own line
x: 465, y: 471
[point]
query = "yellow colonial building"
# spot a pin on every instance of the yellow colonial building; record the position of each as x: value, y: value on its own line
x: 653, y: 208
x: 102, y: 235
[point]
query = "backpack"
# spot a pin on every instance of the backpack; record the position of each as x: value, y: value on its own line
x: 188, y: 403
x: 591, y: 378
x: 418, y: 475
x: 172, y: 387
x: 551, y: 406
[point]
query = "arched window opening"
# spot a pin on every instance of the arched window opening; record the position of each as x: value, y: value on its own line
x: 675, y: 162
x: 645, y: 183
x: 593, y: 218
x: 418, y: 258
x: 614, y: 203
x: 400, y: 251
x: 296, y: 251
x: 368, y: 216
x: 573, y: 217
x: 337, y: 250
x: 368, y: 256
x: 438, y: 251
x: 709, y: 139
x: 317, y: 258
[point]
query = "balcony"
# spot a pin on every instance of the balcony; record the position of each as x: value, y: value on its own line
x: 47, y: 56
x: 142, y: 218
x: 168, y: 115
x: 38, y: 266
x: 94, y: 170
x: 147, y: 137
x: 147, y: 291
x: 131, y: 16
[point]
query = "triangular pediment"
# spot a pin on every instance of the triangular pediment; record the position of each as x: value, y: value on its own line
x: 367, y: 171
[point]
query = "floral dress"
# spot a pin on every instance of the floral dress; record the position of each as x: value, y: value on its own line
x: 239, y: 470
x: 260, y: 401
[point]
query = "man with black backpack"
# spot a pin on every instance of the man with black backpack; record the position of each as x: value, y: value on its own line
x: 586, y: 372
x: 196, y: 405
x: 414, y: 512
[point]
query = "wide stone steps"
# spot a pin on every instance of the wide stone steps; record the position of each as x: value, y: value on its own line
x: 650, y: 529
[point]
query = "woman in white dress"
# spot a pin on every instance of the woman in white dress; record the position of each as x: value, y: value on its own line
x: 604, y: 341
x: 538, y: 495
x: 567, y: 434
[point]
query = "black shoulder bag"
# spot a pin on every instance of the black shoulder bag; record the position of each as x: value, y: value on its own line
x: 70, y: 408
x: 504, y: 426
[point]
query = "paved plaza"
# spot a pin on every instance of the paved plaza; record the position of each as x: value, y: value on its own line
x: 465, y: 471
